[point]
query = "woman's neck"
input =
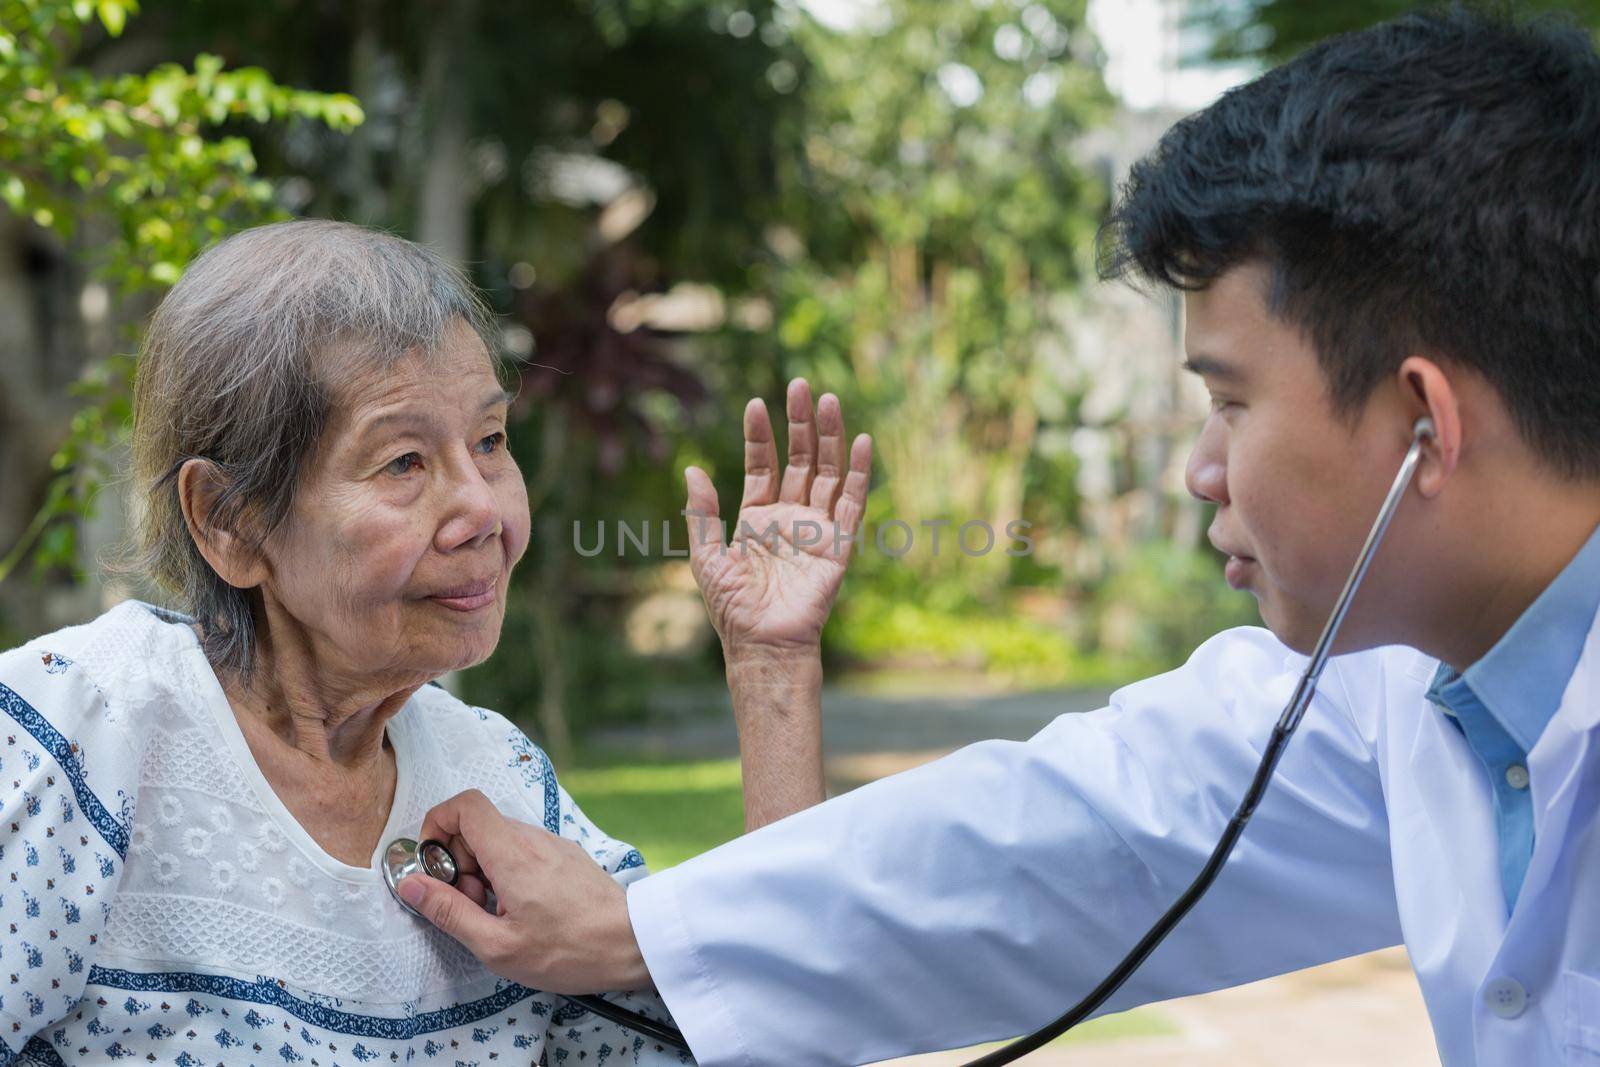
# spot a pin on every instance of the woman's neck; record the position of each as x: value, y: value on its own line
x: 319, y: 742
x: 306, y: 702
x: 340, y: 731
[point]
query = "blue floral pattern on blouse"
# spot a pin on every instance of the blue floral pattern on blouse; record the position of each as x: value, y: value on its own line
x: 68, y: 815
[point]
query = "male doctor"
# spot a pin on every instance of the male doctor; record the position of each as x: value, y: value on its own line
x: 1399, y: 223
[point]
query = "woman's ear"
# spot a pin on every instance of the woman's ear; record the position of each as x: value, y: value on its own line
x: 199, y: 487
x: 1429, y: 392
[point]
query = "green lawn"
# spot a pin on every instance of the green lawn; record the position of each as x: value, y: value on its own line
x: 673, y: 811
x: 668, y: 811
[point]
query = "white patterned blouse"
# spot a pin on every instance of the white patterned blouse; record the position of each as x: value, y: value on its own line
x: 158, y: 902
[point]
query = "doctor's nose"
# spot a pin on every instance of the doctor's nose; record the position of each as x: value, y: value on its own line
x: 1206, y: 474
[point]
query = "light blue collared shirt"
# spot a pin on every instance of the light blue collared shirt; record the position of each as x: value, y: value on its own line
x: 1502, y: 702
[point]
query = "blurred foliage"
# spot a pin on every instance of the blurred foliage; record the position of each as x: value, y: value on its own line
x: 1157, y: 605
x: 943, y: 217
x: 555, y: 107
x: 889, y: 630
x: 935, y: 217
x: 1164, y: 600
x: 892, y: 209
x: 1274, y: 30
x: 130, y: 155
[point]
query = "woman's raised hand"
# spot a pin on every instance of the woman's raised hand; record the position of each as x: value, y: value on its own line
x: 771, y: 585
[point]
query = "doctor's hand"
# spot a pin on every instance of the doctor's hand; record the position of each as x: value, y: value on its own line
x: 561, y: 923
x: 770, y: 585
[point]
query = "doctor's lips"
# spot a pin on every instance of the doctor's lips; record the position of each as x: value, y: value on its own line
x: 468, y: 597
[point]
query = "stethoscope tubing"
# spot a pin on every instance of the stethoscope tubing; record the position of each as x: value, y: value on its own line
x: 663, y: 1032
x: 1287, y: 722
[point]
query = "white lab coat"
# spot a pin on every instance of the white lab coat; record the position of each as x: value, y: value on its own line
x: 976, y: 897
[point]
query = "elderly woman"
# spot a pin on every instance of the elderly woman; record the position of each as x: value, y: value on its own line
x: 193, y: 805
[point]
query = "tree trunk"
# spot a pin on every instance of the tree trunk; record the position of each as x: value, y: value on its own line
x: 444, y: 203
x: 551, y: 590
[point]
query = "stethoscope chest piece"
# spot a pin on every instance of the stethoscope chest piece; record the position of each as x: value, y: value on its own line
x: 405, y: 857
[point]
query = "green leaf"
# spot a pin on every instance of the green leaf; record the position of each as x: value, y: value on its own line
x: 113, y: 16
x: 342, y: 112
x: 206, y: 68
x: 136, y: 157
x: 14, y: 193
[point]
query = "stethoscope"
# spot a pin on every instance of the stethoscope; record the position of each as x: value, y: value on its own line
x: 405, y: 857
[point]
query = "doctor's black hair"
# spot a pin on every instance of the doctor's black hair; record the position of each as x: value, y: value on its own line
x: 1430, y: 183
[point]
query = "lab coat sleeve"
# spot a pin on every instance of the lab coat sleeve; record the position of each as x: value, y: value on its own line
x: 68, y: 779
x: 979, y: 896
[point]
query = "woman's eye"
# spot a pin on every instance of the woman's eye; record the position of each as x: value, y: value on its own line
x: 404, y: 464
x: 493, y: 442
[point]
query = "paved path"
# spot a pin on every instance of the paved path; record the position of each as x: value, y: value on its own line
x: 941, y: 714
x: 1364, y: 1010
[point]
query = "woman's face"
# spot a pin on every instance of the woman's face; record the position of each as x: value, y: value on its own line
x: 396, y: 556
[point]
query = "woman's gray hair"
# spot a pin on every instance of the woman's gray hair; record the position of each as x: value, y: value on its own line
x: 236, y: 369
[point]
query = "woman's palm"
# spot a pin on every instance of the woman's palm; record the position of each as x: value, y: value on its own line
x: 773, y: 581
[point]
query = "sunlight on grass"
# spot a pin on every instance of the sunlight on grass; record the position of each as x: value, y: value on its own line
x: 668, y: 811
x: 1140, y: 1022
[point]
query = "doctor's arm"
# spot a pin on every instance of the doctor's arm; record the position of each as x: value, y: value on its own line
x: 976, y: 897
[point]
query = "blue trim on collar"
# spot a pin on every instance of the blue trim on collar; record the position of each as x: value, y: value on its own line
x: 111, y: 828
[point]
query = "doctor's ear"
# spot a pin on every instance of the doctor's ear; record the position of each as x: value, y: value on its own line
x: 201, y: 488
x: 1428, y: 392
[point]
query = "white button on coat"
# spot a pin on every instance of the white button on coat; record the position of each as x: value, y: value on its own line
x: 1517, y: 776
x: 1506, y: 997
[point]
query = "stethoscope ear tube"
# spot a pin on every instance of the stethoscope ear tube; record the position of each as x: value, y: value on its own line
x: 1292, y: 713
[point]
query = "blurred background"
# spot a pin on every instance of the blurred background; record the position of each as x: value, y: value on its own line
x: 674, y: 205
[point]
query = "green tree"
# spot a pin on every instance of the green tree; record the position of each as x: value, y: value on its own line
x: 149, y: 165
x: 505, y: 136
x: 944, y: 217
x: 1275, y: 30
x: 576, y: 155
